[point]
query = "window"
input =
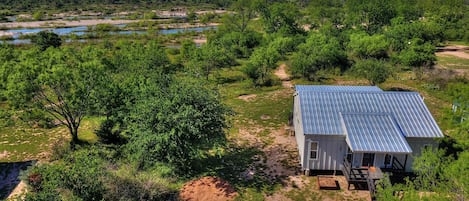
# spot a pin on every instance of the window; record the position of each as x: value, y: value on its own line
x: 387, y: 160
x: 368, y: 159
x: 427, y: 146
x: 313, y: 150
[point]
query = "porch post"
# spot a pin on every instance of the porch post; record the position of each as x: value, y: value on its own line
x: 405, y: 161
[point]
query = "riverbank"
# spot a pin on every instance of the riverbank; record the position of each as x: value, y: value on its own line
x: 92, y: 22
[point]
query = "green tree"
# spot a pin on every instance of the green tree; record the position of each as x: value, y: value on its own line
x: 38, y: 15
x: 283, y: 45
x: 418, y: 54
x: 327, y: 11
x: 209, y: 57
x: 456, y: 183
x: 401, y: 32
x: 372, y: 15
x: 375, y: 71
x: 240, y: 44
x: 244, y: 11
x: 45, y: 39
x: 280, y: 18
x: 318, y: 53
x: 62, y: 82
x: 8, y: 56
x: 175, y: 124
x: 364, y: 46
x: 429, y: 168
x: 260, y: 65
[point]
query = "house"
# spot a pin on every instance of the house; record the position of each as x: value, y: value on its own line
x: 360, y: 127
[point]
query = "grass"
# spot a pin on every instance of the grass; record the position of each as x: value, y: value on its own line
x: 452, y: 62
x: 466, y: 43
x: 268, y: 107
x: 87, y: 129
x: 21, y: 143
x: 306, y: 193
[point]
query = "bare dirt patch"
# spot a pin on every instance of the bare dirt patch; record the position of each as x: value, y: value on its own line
x: 455, y: 50
x: 207, y: 189
x: 3, y: 154
x: 248, y: 97
x: 282, y: 74
x: 10, y: 183
x: 200, y: 40
x: 19, y: 192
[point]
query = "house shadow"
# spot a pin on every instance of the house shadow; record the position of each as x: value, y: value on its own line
x: 10, y: 176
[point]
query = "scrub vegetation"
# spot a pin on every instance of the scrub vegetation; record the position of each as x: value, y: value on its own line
x: 126, y: 118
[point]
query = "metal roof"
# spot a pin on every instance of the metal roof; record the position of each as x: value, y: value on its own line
x: 330, y: 88
x: 373, y: 132
x: 320, y: 111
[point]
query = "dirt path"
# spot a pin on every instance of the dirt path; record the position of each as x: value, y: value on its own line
x: 282, y: 74
x: 454, y: 50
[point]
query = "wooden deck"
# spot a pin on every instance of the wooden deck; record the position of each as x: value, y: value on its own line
x: 361, y: 177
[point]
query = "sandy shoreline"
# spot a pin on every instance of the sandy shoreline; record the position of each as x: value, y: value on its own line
x: 91, y: 22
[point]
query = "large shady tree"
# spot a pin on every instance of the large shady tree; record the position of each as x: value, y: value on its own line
x: 61, y: 82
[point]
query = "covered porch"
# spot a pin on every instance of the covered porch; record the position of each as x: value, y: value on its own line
x: 375, y: 144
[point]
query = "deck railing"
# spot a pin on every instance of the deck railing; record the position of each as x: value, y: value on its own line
x: 396, y: 165
x: 355, y: 174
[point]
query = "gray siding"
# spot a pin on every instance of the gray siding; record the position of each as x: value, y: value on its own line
x: 331, y: 152
x: 299, y: 135
x: 417, y: 145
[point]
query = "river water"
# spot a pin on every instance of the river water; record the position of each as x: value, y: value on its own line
x: 82, y: 30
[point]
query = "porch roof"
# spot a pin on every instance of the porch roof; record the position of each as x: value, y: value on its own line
x: 373, y: 132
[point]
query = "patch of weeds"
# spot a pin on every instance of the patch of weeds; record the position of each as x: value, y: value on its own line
x: 303, y: 195
x: 306, y: 193
x: 250, y: 194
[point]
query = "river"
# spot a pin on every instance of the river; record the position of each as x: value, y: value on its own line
x: 82, y: 30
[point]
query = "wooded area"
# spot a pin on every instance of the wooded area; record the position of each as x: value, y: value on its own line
x: 165, y: 116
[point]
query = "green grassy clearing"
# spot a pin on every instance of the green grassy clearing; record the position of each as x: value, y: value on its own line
x: 21, y: 142
x: 452, y: 62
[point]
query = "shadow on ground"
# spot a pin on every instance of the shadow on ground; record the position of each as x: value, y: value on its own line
x: 240, y: 166
x: 10, y: 176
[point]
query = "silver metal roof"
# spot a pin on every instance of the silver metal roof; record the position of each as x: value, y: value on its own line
x: 320, y: 111
x: 373, y: 132
x: 330, y: 88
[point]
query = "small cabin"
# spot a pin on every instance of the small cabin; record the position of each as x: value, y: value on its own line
x: 346, y: 127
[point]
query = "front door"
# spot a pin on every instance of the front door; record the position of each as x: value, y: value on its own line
x: 368, y: 159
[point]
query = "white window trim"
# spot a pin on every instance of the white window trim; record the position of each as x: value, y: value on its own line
x: 309, y: 150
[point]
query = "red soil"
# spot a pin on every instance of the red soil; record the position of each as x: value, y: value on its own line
x: 207, y: 189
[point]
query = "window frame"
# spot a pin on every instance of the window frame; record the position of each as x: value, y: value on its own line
x: 311, y: 150
x: 389, y: 164
x: 372, y: 159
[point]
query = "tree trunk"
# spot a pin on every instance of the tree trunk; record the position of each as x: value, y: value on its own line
x: 74, y: 132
